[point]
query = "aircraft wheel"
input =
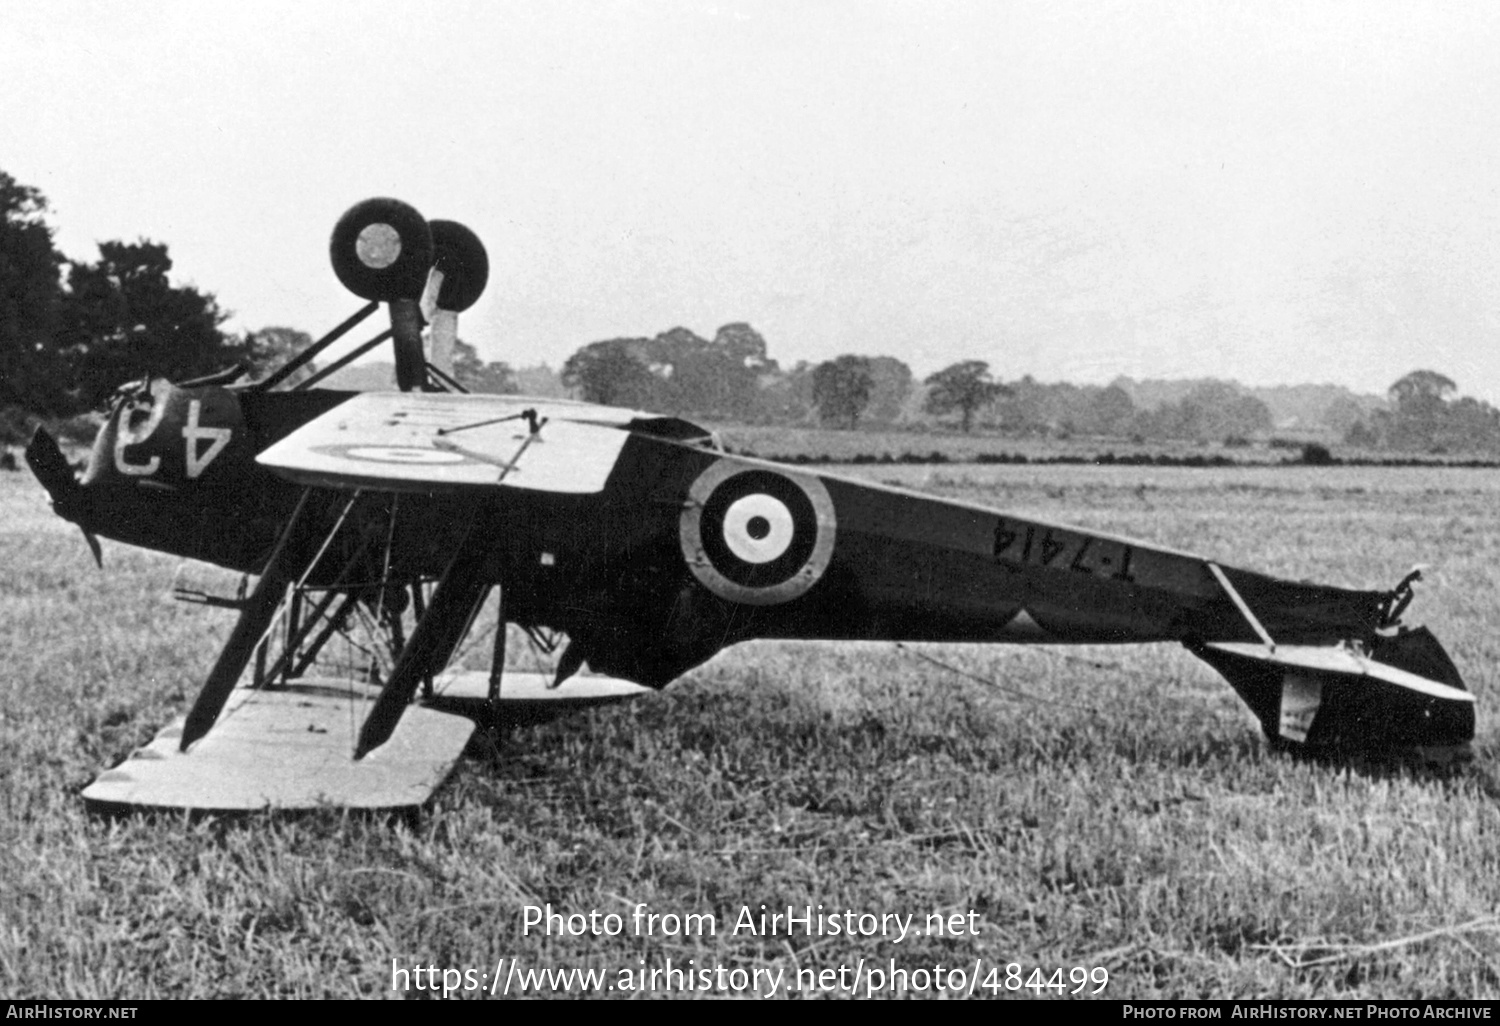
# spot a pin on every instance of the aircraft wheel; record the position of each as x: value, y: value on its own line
x: 382, y: 249
x: 460, y: 256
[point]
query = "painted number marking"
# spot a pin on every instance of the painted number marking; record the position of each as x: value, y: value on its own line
x: 125, y: 435
x: 218, y: 438
x: 1031, y: 545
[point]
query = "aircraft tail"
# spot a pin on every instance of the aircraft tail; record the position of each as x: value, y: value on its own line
x: 1401, y: 696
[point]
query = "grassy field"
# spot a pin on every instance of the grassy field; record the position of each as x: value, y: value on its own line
x: 796, y: 443
x: 1091, y: 807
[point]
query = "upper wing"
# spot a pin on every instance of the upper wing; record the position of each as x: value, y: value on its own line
x: 429, y: 442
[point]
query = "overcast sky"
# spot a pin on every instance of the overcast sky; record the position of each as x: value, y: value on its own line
x: 1274, y: 192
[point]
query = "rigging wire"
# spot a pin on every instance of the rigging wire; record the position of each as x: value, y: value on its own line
x: 988, y: 682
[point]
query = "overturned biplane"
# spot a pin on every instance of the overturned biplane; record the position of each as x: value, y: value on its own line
x: 638, y: 539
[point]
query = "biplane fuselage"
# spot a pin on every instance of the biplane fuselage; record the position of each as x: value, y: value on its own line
x: 652, y: 549
x: 183, y: 479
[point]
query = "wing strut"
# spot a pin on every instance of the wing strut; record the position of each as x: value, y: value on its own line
x: 302, y: 358
x: 455, y: 601
x: 260, y: 610
x: 1242, y: 606
x: 497, y: 666
x: 293, y: 662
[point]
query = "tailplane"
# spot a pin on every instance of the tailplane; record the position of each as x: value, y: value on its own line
x: 1399, y: 696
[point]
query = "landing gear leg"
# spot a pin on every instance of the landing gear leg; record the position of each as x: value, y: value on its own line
x: 260, y: 609
x: 454, y: 603
x: 497, y: 670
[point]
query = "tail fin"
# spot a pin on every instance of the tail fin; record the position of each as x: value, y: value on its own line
x: 1404, y: 697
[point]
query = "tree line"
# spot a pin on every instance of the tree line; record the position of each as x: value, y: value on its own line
x: 72, y: 331
x: 732, y: 377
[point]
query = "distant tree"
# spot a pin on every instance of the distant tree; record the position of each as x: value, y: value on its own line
x: 677, y: 371
x: 1469, y: 424
x: 1021, y: 409
x: 703, y: 377
x: 1065, y: 409
x: 744, y: 346
x: 1421, y: 390
x: 891, y: 382
x: 841, y: 389
x: 1211, y: 411
x: 1419, y: 413
x: 477, y: 376
x: 1342, y: 414
x: 122, y: 319
x: 719, y: 378
x: 964, y: 387
x: 610, y: 372
x: 1108, y: 411
x: 540, y: 381
x: 1361, y: 436
x: 31, y: 375
x: 785, y: 396
x: 1217, y: 410
x: 269, y: 348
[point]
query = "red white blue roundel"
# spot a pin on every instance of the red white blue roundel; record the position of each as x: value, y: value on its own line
x: 757, y: 536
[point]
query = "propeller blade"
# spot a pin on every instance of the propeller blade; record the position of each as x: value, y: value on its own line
x: 93, y: 540
x: 54, y: 472
x: 51, y: 468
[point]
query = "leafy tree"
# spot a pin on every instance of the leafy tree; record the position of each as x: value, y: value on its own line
x: 1361, y: 435
x: 745, y: 347
x: 1107, y: 411
x: 31, y: 375
x: 1211, y: 410
x: 964, y: 387
x: 1419, y: 412
x: 1425, y: 417
x: 610, y: 373
x: 676, y: 371
x: 841, y: 389
x: 122, y: 319
x: 891, y: 383
x: 1421, y: 391
x: 269, y: 348
x: 541, y: 381
x: 1342, y: 414
x: 786, y: 396
x: 1469, y: 424
x: 1216, y: 410
x: 719, y: 378
x: 476, y: 375
x: 1022, y: 407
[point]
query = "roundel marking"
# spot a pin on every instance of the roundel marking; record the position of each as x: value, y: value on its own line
x: 757, y: 536
x: 378, y: 245
x: 758, y: 528
x: 399, y: 454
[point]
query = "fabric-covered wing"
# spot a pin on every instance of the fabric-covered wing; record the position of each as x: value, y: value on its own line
x: 434, y: 443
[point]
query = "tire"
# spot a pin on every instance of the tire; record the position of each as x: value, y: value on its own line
x: 465, y: 265
x: 382, y: 249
